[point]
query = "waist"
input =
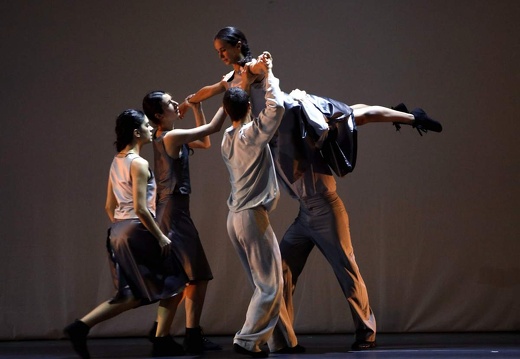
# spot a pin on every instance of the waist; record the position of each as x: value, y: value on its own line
x: 312, y: 200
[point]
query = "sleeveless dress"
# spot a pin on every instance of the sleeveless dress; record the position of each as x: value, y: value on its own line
x: 173, y: 210
x: 138, y: 268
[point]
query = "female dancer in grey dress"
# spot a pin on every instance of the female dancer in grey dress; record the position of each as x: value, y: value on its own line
x: 144, y: 268
x: 172, y: 148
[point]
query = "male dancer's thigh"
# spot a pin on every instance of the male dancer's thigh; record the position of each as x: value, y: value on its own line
x: 295, y: 247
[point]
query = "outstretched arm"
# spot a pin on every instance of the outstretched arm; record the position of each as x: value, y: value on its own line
x: 271, y: 116
x: 201, y: 95
x: 174, y: 139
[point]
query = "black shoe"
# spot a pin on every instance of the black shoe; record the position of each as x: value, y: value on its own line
x: 208, y: 344
x: 240, y: 350
x: 193, y: 343
x: 401, y: 108
x: 77, y: 333
x: 166, y: 347
x: 422, y: 121
x: 297, y: 349
x: 151, y: 333
x: 362, y: 345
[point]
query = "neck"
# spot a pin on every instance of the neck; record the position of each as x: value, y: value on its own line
x: 132, y: 148
x: 161, y: 129
x: 237, y: 68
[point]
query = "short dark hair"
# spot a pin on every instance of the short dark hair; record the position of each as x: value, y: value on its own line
x: 236, y: 103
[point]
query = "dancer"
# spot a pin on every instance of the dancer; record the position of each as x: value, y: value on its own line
x: 144, y: 268
x: 233, y: 49
x: 309, y: 122
x: 171, y: 167
x: 254, y: 193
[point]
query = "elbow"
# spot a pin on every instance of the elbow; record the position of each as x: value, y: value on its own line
x: 141, y: 212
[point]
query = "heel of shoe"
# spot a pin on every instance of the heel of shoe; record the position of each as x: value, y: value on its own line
x: 193, y: 342
x: 401, y: 108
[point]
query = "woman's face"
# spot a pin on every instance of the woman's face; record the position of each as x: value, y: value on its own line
x: 170, y: 107
x: 145, y: 131
x: 228, y: 53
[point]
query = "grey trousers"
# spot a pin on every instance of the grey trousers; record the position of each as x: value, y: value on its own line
x: 323, y: 222
x: 257, y: 247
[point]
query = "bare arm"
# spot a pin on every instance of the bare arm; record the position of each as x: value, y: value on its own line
x: 200, y: 119
x: 111, y: 202
x: 139, y: 172
x: 201, y: 95
x: 176, y: 138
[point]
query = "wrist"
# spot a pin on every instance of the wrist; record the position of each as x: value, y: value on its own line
x: 190, y: 101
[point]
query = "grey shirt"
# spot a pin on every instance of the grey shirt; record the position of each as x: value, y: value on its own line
x: 247, y: 155
x: 122, y: 187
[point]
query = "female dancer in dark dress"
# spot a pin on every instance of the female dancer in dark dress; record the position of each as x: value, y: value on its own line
x: 144, y: 268
x: 172, y: 148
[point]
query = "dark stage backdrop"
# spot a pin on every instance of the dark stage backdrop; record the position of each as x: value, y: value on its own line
x: 434, y: 219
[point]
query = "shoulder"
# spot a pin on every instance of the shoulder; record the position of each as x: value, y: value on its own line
x: 139, y: 164
x: 229, y: 76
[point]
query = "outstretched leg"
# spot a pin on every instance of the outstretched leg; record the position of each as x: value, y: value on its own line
x: 77, y: 332
x: 398, y: 115
x: 364, y: 114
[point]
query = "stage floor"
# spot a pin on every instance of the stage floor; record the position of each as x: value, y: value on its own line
x: 390, y: 346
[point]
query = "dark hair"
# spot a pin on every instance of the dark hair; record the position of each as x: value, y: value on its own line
x: 232, y: 36
x: 126, y: 123
x: 236, y: 103
x: 152, y: 104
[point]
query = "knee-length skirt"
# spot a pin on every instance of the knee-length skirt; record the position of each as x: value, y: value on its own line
x: 138, y: 267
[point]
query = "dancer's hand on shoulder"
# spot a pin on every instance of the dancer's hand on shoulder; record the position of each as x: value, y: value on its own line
x: 250, y: 72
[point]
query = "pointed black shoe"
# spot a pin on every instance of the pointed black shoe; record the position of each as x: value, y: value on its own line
x: 77, y: 333
x: 240, y: 350
x: 362, y: 345
x: 297, y: 349
x: 166, y: 347
x: 422, y: 122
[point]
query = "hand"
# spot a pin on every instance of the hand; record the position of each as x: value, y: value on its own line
x: 266, y: 60
x: 165, y: 244
x: 183, y: 108
x: 248, y: 76
x: 192, y: 104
